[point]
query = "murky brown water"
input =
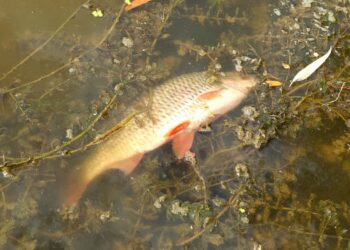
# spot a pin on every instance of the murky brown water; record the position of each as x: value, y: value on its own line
x: 299, y: 179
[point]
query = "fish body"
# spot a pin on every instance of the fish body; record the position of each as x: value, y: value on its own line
x: 173, y: 112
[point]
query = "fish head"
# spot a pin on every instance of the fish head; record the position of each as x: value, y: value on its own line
x: 233, y: 88
x: 240, y: 82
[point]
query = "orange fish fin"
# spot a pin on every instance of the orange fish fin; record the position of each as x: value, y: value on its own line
x: 178, y: 128
x: 183, y: 143
x: 210, y: 95
x: 129, y: 164
x: 135, y: 3
x: 75, y: 192
x: 77, y: 186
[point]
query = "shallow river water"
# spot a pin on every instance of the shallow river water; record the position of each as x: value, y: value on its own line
x: 276, y: 177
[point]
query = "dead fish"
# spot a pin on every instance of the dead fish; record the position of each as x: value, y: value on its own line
x: 176, y: 110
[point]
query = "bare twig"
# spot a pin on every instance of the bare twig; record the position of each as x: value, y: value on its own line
x: 308, y: 83
x: 297, y: 231
x: 233, y: 199
x: 173, y: 5
x: 71, y: 61
x: 190, y: 157
x: 227, y: 19
x: 140, y: 213
x: 53, y: 88
x: 57, y: 151
x: 196, y: 50
x: 19, y: 107
x: 336, y: 99
x: 24, y: 60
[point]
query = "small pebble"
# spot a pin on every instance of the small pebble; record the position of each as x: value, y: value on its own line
x: 158, y: 202
x: 307, y: 3
x: 241, y: 170
x: 127, y: 42
x: 218, y: 66
x: 69, y: 133
x: 71, y: 70
x: 277, y: 12
x: 105, y: 216
x: 285, y: 66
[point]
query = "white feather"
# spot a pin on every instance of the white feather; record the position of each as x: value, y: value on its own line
x: 311, y: 68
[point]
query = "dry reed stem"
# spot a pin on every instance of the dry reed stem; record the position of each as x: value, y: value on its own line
x: 107, y: 34
x: 24, y: 60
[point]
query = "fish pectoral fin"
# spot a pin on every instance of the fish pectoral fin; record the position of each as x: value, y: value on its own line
x: 129, y: 164
x: 182, y: 143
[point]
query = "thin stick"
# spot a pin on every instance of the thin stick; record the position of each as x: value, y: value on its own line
x: 160, y: 30
x: 230, y: 203
x: 44, y: 43
x: 297, y: 231
x: 196, y: 169
x: 139, y: 218
x: 300, y: 86
x: 71, y: 60
x: 64, y: 145
x: 336, y: 99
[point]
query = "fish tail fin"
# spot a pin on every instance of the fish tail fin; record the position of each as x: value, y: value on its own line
x: 80, y: 180
x: 74, y: 193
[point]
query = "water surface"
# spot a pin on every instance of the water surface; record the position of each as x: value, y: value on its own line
x: 295, y: 161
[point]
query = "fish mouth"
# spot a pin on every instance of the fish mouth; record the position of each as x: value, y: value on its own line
x: 238, y: 81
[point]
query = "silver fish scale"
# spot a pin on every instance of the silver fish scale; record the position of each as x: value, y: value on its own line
x: 168, y: 102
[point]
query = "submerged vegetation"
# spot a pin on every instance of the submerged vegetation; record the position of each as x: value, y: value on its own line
x: 274, y: 175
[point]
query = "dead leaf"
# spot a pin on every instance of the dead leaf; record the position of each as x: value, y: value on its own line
x: 311, y: 68
x: 136, y: 3
x: 273, y: 83
x: 285, y: 65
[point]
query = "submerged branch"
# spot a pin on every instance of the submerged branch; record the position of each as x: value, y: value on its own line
x: 24, y: 60
x: 233, y: 199
x: 72, y: 60
x: 165, y: 20
x: 58, y: 150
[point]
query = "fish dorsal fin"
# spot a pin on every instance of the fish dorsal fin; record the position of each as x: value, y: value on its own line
x: 182, y: 143
x: 177, y: 129
x: 210, y: 95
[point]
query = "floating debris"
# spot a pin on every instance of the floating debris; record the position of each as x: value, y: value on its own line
x: 69, y: 133
x: 177, y: 208
x: 285, y: 65
x: 127, y: 42
x: 250, y: 112
x: 242, y: 170
x: 307, y: 3
x: 311, y: 68
x: 97, y: 13
x: 273, y: 83
x: 158, y: 202
x: 277, y: 12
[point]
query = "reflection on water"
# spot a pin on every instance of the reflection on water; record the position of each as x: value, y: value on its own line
x: 284, y: 183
